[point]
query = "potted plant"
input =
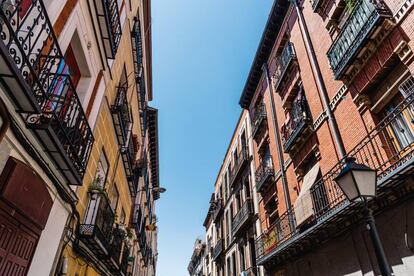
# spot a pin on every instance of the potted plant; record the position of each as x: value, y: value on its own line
x: 96, y: 186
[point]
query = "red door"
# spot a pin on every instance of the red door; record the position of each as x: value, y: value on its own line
x: 17, y: 244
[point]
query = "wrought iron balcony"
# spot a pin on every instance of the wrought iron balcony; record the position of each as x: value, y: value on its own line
x: 139, y: 72
x: 112, y: 262
x: 239, y: 165
x: 243, y: 217
x: 300, y: 120
x: 264, y: 174
x: 259, y: 118
x: 125, y: 262
x: 388, y: 148
x: 218, y: 249
x: 359, y: 27
x: 218, y: 210
x: 128, y: 142
x: 283, y: 62
x: 109, y: 23
x: 33, y: 73
x: 96, y: 230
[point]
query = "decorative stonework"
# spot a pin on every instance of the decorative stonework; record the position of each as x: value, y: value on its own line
x: 404, y: 52
x: 369, y: 49
x: 362, y: 102
x: 403, y: 11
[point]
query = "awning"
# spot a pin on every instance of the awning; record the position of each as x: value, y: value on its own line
x: 303, y: 204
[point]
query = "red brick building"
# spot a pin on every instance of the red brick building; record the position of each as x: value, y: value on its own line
x: 330, y: 80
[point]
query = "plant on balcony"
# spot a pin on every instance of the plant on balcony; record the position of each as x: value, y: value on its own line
x: 96, y: 186
x: 350, y: 4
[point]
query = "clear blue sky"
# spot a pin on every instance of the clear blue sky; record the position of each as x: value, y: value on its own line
x: 202, y: 53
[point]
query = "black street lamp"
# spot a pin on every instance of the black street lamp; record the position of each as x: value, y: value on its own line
x: 359, y: 182
x: 155, y: 189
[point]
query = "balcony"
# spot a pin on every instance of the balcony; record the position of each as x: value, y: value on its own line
x: 33, y: 75
x: 128, y: 142
x: 243, y: 217
x: 388, y: 149
x: 125, y: 262
x: 264, y: 174
x: 112, y: 262
x: 109, y: 23
x: 259, y: 118
x: 218, y: 210
x: 294, y: 130
x: 239, y: 165
x: 137, y: 51
x: 316, y: 4
x: 360, y: 27
x: 218, y: 249
x: 283, y: 63
x: 96, y: 230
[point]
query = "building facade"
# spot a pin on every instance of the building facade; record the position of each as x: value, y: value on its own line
x: 231, y: 222
x: 332, y: 80
x: 77, y: 132
x: 196, y: 267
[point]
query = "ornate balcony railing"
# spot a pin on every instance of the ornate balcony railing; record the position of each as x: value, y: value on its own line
x: 258, y: 118
x: 128, y: 142
x: 34, y: 72
x: 264, y: 174
x: 109, y: 25
x: 239, y: 165
x: 243, y: 216
x: 388, y: 148
x: 299, y: 121
x: 366, y: 15
x: 125, y: 261
x: 96, y: 230
x: 218, y: 249
x: 139, y: 71
x: 218, y: 209
x: 283, y: 62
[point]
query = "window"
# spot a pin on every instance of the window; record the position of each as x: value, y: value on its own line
x: 101, y: 171
x: 122, y: 216
x: 114, y: 197
x: 242, y: 258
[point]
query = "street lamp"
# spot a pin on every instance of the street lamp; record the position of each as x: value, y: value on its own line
x: 155, y: 189
x: 359, y: 182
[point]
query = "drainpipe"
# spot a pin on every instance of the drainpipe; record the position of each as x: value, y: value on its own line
x: 319, y: 81
x: 265, y: 70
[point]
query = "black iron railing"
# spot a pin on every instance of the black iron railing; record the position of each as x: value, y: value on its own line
x: 299, y: 120
x: 96, y: 230
x: 239, y: 165
x: 276, y: 234
x: 283, y: 62
x: 128, y: 142
x: 109, y: 25
x: 264, y: 173
x: 218, y: 209
x: 125, y: 261
x: 355, y: 32
x: 218, y: 249
x: 258, y: 118
x: 139, y: 71
x: 243, y: 216
x: 35, y: 55
x: 388, y: 148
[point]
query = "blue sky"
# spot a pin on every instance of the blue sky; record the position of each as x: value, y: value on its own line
x: 202, y: 53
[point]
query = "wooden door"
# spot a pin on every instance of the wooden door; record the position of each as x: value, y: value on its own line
x: 17, y: 245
